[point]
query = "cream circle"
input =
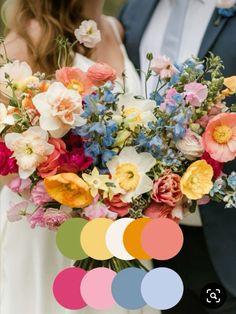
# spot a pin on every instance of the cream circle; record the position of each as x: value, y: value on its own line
x: 114, y: 238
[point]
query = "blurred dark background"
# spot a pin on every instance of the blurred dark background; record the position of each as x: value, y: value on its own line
x: 112, y: 7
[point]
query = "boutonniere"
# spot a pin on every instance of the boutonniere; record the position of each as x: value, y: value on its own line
x: 225, y: 8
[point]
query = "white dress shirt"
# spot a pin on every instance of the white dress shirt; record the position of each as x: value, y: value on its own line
x: 196, y: 21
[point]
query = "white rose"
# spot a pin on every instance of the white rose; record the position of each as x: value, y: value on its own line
x: 225, y: 4
x: 191, y: 145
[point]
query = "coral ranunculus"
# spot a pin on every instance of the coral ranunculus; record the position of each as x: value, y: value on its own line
x: 74, y: 78
x: 197, y: 180
x: 167, y: 189
x: 68, y: 189
x: 117, y: 205
x: 51, y: 165
x: 100, y: 73
x: 219, y: 138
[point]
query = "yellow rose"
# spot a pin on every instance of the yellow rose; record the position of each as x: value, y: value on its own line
x: 197, y: 180
x: 68, y: 189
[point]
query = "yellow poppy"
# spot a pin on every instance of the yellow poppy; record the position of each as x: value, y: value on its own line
x: 197, y: 180
x: 68, y: 189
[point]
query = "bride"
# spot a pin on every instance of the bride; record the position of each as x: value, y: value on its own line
x: 30, y: 259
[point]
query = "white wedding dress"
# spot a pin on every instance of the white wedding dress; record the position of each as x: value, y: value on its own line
x: 30, y: 259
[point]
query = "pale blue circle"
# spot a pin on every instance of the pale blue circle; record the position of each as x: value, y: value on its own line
x: 126, y: 288
x: 162, y: 288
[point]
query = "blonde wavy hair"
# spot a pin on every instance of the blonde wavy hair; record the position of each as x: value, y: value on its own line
x: 55, y: 18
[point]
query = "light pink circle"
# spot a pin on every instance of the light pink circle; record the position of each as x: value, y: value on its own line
x: 162, y: 238
x: 96, y: 288
x: 66, y: 288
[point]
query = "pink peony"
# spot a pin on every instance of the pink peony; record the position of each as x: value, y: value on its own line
x: 16, y: 211
x: 216, y: 165
x: 74, y: 161
x: 37, y: 218
x: 54, y: 218
x: 7, y: 162
x: 18, y: 185
x: 195, y: 93
x: 98, y: 210
x: 100, y: 73
x: 163, y: 67
x: 167, y: 189
x: 51, y: 165
x: 39, y: 196
x: 74, y: 78
x: 117, y: 205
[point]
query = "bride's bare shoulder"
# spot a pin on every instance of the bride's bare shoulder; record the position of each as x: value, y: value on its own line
x: 119, y: 27
x: 16, y: 45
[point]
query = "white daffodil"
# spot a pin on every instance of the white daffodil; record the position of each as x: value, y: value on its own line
x: 18, y: 73
x: 136, y: 111
x: 129, y: 171
x: 60, y: 109
x: 5, y: 118
x: 30, y: 149
x: 88, y: 34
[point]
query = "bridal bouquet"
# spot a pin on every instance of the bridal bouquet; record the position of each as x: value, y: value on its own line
x: 78, y: 146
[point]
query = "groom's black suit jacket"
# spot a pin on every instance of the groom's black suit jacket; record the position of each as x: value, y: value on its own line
x: 219, y: 223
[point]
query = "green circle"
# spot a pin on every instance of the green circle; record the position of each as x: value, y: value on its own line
x: 68, y: 238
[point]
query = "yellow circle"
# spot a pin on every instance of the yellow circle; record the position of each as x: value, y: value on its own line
x: 93, y: 238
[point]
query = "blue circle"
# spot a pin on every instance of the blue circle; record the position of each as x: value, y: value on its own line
x: 126, y: 288
x: 162, y: 288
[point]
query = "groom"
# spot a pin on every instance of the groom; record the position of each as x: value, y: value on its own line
x: 196, y: 27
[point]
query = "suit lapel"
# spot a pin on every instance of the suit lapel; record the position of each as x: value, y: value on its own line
x: 141, y: 12
x: 211, y: 34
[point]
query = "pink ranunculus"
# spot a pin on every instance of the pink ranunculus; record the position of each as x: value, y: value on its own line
x: 98, y: 210
x: 195, y: 93
x: 51, y: 165
x: 167, y: 189
x: 7, y: 162
x: 39, y: 196
x: 100, y: 73
x: 74, y: 78
x: 74, y: 161
x: 216, y: 165
x: 163, y: 67
x: 214, y: 111
x: 117, y: 205
x: 54, y: 218
x: 17, y: 211
x: 190, y: 145
x: 162, y: 210
x: 37, y: 218
x: 18, y: 185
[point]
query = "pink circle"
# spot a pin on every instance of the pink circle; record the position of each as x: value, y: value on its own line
x: 96, y: 288
x: 66, y: 288
x: 162, y: 238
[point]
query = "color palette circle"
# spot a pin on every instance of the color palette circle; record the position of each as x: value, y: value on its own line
x: 162, y: 238
x: 132, y: 238
x: 126, y: 288
x: 66, y: 288
x: 68, y: 238
x: 93, y: 238
x: 162, y: 288
x: 96, y: 288
x: 114, y: 238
